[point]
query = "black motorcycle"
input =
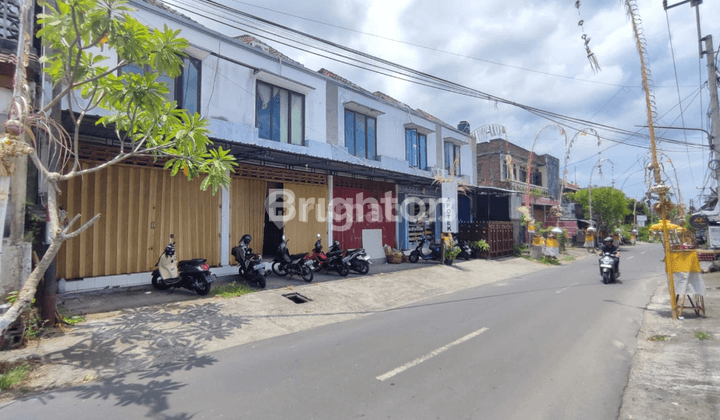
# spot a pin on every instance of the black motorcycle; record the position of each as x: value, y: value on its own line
x: 356, y: 259
x: 251, y: 266
x: 466, y: 250
x: 607, y: 267
x: 295, y: 264
x: 193, y: 274
x: 433, y: 252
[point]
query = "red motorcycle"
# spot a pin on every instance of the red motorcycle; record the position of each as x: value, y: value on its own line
x: 333, y: 260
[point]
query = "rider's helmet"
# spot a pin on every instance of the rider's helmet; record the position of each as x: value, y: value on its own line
x: 246, y: 239
x: 608, y: 239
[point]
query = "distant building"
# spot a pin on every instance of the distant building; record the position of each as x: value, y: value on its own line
x: 502, y: 164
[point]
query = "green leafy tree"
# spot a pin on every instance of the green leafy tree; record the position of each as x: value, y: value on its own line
x: 639, y: 208
x: 83, y: 38
x: 609, y: 206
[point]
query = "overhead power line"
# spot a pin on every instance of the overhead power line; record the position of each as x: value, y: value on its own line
x: 280, y: 34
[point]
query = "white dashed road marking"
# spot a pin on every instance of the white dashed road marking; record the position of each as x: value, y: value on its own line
x: 433, y: 353
x: 564, y: 289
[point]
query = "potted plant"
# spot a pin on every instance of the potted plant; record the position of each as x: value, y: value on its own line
x: 481, y: 247
x: 451, y: 254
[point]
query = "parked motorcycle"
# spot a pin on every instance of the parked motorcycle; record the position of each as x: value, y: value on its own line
x: 607, y: 267
x: 251, y: 266
x: 295, y: 264
x: 357, y: 259
x: 466, y: 250
x: 193, y: 274
x: 430, y: 252
x: 333, y: 260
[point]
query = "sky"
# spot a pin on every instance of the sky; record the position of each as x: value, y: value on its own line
x: 530, y: 53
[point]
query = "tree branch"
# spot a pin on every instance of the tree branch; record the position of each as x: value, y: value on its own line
x: 116, y: 159
x: 81, y: 229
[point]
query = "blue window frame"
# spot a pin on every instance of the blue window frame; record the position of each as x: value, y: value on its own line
x: 185, y: 89
x: 360, y: 135
x: 280, y: 114
x: 187, y: 86
x: 416, y: 149
x: 452, y: 154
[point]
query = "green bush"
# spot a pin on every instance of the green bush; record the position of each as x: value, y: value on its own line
x: 231, y: 290
x: 480, y: 245
x: 451, y: 253
x: 546, y: 259
x: 13, y: 375
x: 644, y: 234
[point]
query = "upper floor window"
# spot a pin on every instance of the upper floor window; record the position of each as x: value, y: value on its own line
x: 360, y: 135
x: 537, y: 178
x: 185, y: 89
x: 187, y: 86
x: 452, y: 158
x: 416, y: 149
x: 280, y: 114
x: 523, y: 174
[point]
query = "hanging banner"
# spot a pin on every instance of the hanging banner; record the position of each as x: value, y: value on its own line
x: 449, y: 207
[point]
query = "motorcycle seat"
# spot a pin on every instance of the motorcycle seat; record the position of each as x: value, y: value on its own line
x: 196, y: 261
x: 334, y: 253
x: 355, y: 250
x: 296, y: 256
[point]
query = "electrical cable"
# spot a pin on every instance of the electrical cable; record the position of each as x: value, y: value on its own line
x: 433, y: 82
x: 677, y: 83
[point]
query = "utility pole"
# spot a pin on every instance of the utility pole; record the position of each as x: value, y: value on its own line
x: 709, y: 53
x: 714, y: 104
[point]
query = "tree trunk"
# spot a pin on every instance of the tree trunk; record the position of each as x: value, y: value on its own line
x: 27, y: 292
x: 57, y: 237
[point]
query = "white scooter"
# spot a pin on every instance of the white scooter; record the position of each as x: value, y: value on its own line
x: 193, y: 274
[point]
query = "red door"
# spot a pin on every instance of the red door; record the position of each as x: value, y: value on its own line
x: 357, y: 209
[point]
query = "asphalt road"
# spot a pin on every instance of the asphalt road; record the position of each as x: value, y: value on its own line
x: 556, y: 344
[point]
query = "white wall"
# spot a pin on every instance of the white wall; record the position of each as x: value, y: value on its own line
x: 228, y: 101
x: 228, y: 89
x: 391, y: 126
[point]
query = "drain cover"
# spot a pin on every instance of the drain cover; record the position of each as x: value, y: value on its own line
x: 297, y: 298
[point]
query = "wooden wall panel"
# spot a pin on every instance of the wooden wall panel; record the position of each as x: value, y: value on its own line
x: 302, y: 234
x: 139, y: 208
x: 247, y: 212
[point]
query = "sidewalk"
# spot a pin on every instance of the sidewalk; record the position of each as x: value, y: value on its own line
x: 77, y: 303
x: 674, y: 374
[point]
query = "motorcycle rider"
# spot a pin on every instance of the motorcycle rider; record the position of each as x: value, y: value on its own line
x: 609, y: 247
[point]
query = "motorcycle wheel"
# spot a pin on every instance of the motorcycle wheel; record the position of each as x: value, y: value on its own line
x: 306, y: 273
x: 606, y: 277
x: 362, y: 267
x: 260, y: 280
x: 466, y: 257
x: 158, y: 283
x: 279, y: 269
x: 343, y: 270
x: 414, y: 257
x: 202, y: 287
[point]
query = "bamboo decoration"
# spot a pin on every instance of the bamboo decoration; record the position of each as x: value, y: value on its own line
x: 663, y: 205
